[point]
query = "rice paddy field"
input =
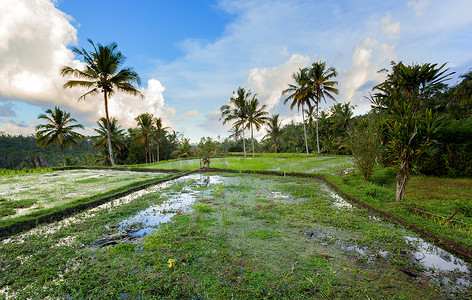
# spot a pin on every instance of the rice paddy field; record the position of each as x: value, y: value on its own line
x: 229, y: 236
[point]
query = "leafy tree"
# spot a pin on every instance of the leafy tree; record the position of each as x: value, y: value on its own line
x: 58, y: 130
x: 256, y: 117
x: 320, y: 87
x: 237, y: 111
x: 300, y: 96
x: 274, y: 131
x: 116, y: 134
x: 102, y: 74
x: 464, y: 90
x: 145, y: 127
x: 185, y: 149
x: 400, y: 98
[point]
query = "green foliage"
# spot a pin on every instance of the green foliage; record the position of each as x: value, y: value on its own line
x: 203, y: 208
x: 383, y: 176
x: 263, y: 234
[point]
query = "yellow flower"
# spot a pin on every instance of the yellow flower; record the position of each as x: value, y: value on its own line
x: 171, y: 262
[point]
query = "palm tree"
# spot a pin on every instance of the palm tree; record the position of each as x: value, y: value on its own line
x: 145, y: 126
x: 321, y: 87
x: 256, y: 117
x: 274, y: 130
x: 300, y: 96
x: 311, y: 118
x: 464, y: 90
x: 237, y: 111
x: 159, y: 130
x: 58, y: 130
x: 102, y: 75
x: 236, y: 132
x: 185, y: 149
x: 116, y: 134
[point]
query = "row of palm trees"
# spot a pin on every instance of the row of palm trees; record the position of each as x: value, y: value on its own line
x: 312, y: 85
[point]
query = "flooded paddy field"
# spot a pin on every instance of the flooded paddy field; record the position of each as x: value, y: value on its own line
x: 23, y: 194
x: 223, y: 236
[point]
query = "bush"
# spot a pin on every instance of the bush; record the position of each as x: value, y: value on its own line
x: 383, y: 176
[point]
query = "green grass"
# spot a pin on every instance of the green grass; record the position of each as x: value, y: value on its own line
x: 240, y: 249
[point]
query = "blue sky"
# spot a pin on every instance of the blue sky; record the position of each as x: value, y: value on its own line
x: 191, y: 55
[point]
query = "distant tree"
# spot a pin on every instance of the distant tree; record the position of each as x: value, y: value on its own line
x: 58, y: 130
x: 102, y: 75
x: 236, y: 133
x: 159, y: 132
x: 237, y: 111
x: 400, y: 97
x: 145, y: 127
x: 116, y: 134
x: 256, y: 118
x: 185, y: 149
x: 300, y: 96
x: 464, y: 90
x: 274, y: 131
x: 321, y: 86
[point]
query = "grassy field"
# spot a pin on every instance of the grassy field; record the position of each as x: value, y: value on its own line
x: 242, y: 236
x: 264, y: 162
x: 247, y: 237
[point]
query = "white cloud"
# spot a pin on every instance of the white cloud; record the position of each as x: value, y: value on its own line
x: 388, y: 28
x: 189, y: 114
x: 126, y: 108
x: 419, y: 6
x: 269, y: 83
x: 357, y: 81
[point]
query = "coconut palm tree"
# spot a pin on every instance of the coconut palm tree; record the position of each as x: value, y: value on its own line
x: 145, y: 126
x: 102, y: 74
x: 300, y: 96
x: 321, y: 86
x: 236, y: 133
x: 237, y: 111
x: 256, y: 117
x: 159, y: 131
x: 274, y: 130
x: 185, y: 149
x: 58, y: 130
x: 311, y: 118
x: 116, y: 134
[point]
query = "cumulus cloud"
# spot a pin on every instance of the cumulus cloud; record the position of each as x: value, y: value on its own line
x: 389, y: 28
x: 126, y: 108
x: 189, y: 114
x: 368, y: 58
x: 269, y: 83
x: 9, y: 126
x: 212, y: 123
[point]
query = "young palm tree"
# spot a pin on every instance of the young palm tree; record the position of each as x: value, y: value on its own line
x: 311, y: 118
x: 236, y: 133
x: 274, y: 131
x: 102, y: 74
x: 116, y: 134
x: 237, y: 111
x: 321, y: 87
x: 300, y: 96
x: 159, y: 131
x: 58, y: 130
x: 185, y: 149
x: 145, y: 126
x: 256, y: 117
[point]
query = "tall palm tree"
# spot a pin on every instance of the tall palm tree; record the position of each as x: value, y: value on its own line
x: 58, y: 130
x: 237, y: 111
x: 274, y: 130
x: 116, y: 134
x: 256, y: 117
x: 159, y: 131
x: 321, y: 87
x: 300, y: 96
x: 145, y: 126
x: 102, y: 74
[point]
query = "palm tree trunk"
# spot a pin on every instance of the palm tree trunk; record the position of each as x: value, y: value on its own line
x: 275, y: 149
x: 304, y: 130
x: 317, y: 139
x: 110, y: 149
x: 62, y: 153
x: 244, y: 143
x: 157, y: 148
x: 252, y: 139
